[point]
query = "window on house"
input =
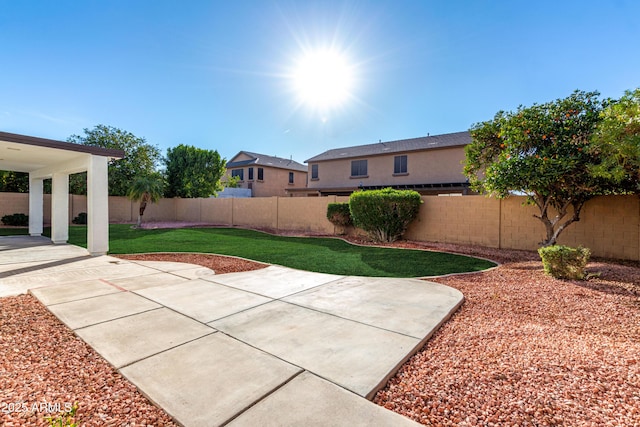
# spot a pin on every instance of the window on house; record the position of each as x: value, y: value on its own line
x: 400, y: 164
x: 290, y: 177
x: 250, y: 174
x: 358, y: 168
x: 260, y: 174
x: 239, y: 173
x: 314, y: 171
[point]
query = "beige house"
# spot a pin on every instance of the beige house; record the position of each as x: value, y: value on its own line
x: 429, y: 165
x: 264, y: 175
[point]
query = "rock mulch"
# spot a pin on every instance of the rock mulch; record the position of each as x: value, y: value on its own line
x: 529, y: 350
x: 219, y: 264
x: 524, y: 349
x: 45, y: 369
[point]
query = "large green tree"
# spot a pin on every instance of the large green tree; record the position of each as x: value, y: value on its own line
x: 617, y: 141
x: 140, y: 159
x: 544, y: 152
x: 193, y: 172
x: 14, y: 182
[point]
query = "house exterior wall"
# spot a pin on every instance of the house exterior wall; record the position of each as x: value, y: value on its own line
x: 429, y: 166
x: 274, y: 183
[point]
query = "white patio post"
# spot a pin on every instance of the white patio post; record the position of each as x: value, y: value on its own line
x: 60, y: 208
x: 97, y: 205
x: 36, y: 206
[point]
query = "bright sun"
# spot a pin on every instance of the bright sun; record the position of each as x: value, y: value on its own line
x: 323, y: 79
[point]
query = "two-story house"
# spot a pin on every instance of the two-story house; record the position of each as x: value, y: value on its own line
x: 264, y: 175
x: 429, y: 165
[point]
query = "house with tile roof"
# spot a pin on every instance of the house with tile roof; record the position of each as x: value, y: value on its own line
x: 265, y: 175
x: 429, y: 165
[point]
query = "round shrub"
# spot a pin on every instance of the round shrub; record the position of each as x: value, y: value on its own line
x: 564, y: 262
x: 384, y: 214
x: 80, y: 219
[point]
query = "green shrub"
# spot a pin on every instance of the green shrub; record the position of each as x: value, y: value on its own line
x: 564, y: 262
x: 16, y: 219
x: 80, y: 219
x: 339, y: 214
x: 384, y: 214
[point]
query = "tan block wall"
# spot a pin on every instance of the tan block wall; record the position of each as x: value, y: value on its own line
x: 305, y: 214
x: 121, y: 210
x: 188, y: 209
x: 256, y: 212
x: 464, y: 220
x: 216, y: 211
x: 13, y: 203
x: 164, y: 210
x: 77, y: 204
x: 610, y: 226
x: 436, y: 166
x: 518, y: 228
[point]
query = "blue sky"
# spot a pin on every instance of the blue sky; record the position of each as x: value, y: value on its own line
x: 217, y: 74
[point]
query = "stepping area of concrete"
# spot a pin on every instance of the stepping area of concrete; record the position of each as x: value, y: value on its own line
x: 275, y: 346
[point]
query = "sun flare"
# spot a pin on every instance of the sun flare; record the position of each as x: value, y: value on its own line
x: 323, y: 79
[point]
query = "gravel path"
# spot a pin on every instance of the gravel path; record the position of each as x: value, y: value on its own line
x: 524, y: 349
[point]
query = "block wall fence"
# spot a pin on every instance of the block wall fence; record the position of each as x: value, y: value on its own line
x: 609, y: 225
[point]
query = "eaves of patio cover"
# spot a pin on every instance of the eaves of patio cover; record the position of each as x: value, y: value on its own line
x: 46, y: 158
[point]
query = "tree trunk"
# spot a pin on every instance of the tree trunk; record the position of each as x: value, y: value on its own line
x: 550, y: 225
x: 143, y: 206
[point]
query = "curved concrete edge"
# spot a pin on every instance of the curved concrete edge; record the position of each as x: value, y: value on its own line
x: 418, y: 347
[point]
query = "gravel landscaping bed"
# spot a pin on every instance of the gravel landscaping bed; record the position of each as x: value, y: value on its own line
x: 524, y: 349
x: 529, y: 350
x: 45, y: 367
x: 218, y: 263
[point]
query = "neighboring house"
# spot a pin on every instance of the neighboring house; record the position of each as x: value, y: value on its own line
x: 266, y: 175
x: 429, y: 165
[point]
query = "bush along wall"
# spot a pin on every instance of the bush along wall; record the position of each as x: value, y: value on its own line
x: 339, y: 214
x: 384, y: 214
x: 17, y: 219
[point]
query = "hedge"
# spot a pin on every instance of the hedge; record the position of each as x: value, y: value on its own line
x: 384, y: 214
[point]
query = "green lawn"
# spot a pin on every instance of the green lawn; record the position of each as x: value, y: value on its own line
x: 323, y: 255
x: 11, y: 231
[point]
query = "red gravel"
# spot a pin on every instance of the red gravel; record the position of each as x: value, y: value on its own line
x: 524, y: 349
x: 529, y: 350
x: 44, y: 366
x: 218, y: 263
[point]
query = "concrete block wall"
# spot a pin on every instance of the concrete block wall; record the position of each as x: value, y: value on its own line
x: 609, y: 226
x: 216, y: 211
x: 14, y: 203
x: 463, y: 220
x: 260, y: 212
x: 307, y: 214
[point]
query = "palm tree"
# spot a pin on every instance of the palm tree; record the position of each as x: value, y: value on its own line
x: 146, y: 188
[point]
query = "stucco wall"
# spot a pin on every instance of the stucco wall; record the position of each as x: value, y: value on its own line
x: 431, y: 166
x: 275, y: 182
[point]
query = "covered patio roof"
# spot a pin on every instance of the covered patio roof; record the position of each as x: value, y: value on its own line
x: 45, y: 158
x: 21, y: 153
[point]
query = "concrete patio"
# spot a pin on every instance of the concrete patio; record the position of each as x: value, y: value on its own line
x: 275, y: 346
